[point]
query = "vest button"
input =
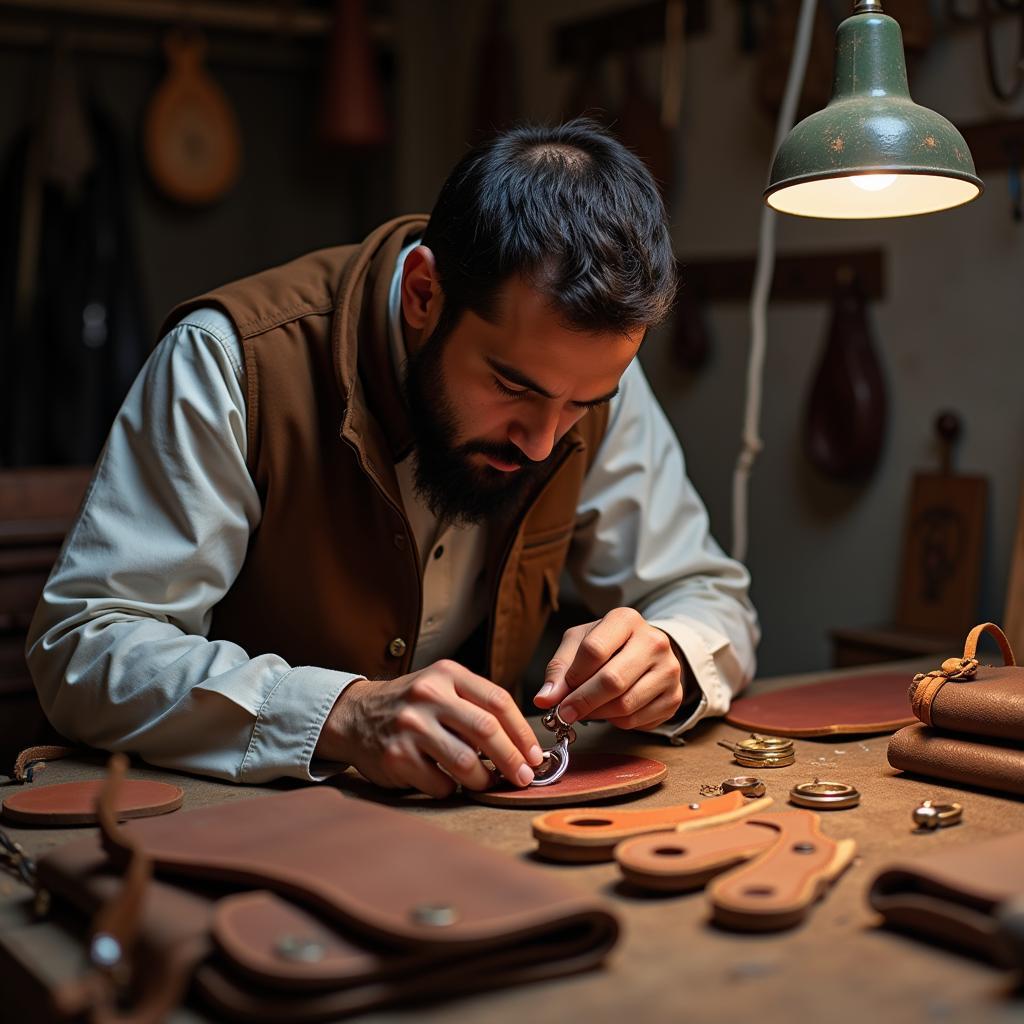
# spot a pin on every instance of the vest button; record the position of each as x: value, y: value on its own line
x: 399, y: 540
x: 397, y: 647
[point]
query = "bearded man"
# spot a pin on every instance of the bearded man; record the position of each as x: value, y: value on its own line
x: 331, y: 518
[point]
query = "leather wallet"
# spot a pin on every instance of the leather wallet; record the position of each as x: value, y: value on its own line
x: 309, y: 905
x: 969, y: 897
x: 956, y: 758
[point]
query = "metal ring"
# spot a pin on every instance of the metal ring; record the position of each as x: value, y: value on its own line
x: 930, y: 816
x: 559, y: 756
x: 771, y: 761
x: 748, y: 785
x: 830, y: 796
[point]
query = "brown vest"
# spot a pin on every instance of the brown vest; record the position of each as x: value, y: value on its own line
x: 331, y: 577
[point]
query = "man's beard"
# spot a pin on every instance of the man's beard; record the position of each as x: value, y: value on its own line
x: 455, y: 489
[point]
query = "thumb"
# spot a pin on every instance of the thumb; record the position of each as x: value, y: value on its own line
x: 555, y: 687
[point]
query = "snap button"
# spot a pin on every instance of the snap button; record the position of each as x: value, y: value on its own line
x: 399, y: 540
x: 397, y: 647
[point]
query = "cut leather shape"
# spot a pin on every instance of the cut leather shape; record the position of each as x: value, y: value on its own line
x: 74, y: 803
x: 788, y: 872
x: 960, y: 896
x: 590, y: 777
x: 589, y: 836
x: 875, y: 703
x: 355, y: 906
x: 972, y: 760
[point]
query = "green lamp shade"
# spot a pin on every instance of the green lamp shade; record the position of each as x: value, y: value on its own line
x: 872, y: 152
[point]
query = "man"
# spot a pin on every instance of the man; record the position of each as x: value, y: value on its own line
x: 330, y: 520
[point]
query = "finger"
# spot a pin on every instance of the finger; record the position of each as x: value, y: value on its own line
x: 499, y: 703
x: 650, y: 687
x: 403, y: 760
x: 555, y: 687
x: 450, y: 752
x: 611, y: 681
x: 482, y: 731
x: 653, y: 714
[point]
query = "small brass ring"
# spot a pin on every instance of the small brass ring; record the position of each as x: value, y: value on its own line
x: 930, y: 816
x: 748, y: 785
x: 824, y: 796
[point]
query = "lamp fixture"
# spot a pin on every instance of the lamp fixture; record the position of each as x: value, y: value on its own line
x: 872, y: 152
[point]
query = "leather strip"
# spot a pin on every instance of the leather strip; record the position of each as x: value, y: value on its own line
x: 971, y: 645
x: 31, y: 757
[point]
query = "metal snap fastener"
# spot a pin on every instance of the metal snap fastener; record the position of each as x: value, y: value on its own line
x: 437, y: 915
x: 397, y: 647
x: 299, y: 949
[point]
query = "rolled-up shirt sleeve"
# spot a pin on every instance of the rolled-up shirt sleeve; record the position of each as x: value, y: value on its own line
x: 642, y: 540
x: 118, y: 647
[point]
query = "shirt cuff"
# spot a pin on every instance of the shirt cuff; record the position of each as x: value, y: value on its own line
x: 288, y: 726
x: 699, y: 649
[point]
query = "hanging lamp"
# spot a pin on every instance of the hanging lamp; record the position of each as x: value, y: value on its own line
x: 872, y: 152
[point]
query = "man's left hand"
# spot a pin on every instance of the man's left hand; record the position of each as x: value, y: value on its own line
x: 618, y: 668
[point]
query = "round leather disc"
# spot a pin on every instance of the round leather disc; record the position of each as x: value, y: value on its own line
x: 74, y: 803
x: 590, y: 777
x: 876, y: 703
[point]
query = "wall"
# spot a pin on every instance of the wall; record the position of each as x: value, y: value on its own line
x: 949, y: 331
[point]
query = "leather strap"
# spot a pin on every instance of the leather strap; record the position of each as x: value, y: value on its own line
x: 589, y: 836
x: 927, y: 684
x: 32, y: 759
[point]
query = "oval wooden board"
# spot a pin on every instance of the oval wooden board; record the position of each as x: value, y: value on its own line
x: 74, y: 803
x: 590, y: 777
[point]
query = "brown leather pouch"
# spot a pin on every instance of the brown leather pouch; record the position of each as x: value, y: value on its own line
x: 310, y: 905
x: 969, y: 897
x: 966, y: 759
x: 964, y: 696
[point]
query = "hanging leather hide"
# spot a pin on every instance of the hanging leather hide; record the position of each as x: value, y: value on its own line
x: 848, y: 408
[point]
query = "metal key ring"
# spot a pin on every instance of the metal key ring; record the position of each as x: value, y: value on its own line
x: 558, y: 758
x: 931, y: 816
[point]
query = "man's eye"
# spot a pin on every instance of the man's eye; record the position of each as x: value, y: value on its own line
x: 504, y: 389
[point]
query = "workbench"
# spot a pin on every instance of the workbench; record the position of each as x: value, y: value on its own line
x: 670, y: 963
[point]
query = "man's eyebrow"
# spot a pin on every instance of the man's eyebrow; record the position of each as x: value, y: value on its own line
x: 510, y: 373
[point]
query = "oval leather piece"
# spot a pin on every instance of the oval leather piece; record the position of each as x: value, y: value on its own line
x: 875, y: 703
x: 590, y: 777
x: 74, y: 803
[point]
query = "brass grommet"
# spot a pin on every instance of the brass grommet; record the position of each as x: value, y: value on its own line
x: 824, y: 796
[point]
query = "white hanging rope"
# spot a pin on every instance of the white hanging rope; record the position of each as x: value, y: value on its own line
x: 764, y: 269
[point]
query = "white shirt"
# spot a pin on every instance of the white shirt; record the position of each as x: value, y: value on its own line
x: 118, y: 647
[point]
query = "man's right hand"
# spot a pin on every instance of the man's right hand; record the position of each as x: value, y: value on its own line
x: 401, y: 732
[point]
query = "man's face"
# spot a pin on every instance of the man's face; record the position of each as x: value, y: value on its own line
x: 490, y: 401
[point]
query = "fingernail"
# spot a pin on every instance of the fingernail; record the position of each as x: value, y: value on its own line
x: 568, y: 715
x: 525, y: 775
x: 545, y: 690
x: 536, y: 755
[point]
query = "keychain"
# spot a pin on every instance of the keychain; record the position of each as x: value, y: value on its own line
x: 556, y: 759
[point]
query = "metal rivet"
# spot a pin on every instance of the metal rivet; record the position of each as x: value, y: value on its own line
x: 694, y: 807
x: 397, y: 647
x: 804, y: 847
x: 299, y: 949
x: 437, y: 915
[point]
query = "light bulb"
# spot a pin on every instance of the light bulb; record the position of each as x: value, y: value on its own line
x: 872, y: 182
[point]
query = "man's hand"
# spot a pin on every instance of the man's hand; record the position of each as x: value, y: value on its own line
x: 397, y: 732
x: 619, y: 669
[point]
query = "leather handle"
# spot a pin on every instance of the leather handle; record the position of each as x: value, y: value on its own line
x: 971, y: 644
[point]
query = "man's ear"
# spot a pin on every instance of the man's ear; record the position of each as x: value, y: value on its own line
x: 421, y: 290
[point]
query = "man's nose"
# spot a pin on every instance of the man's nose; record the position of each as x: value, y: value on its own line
x: 535, y: 436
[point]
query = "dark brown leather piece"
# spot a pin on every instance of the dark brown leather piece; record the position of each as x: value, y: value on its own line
x: 874, y: 703
x: 956, y: 896
x: 387, y: 906
x: 74, y: 803
x: 958, y: 758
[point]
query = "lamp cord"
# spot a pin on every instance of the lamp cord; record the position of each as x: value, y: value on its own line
x: 764, y: 269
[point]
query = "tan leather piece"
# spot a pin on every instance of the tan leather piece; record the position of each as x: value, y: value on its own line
x: 591, y: 776
x: 975, y: 761
x: 775, y: 890
x: 971, y: 644
x: 37, y: 757
x: 589, y: 836
x: 74, y: 803
x: 953, y: 895
x: 678, y: 863
x: 872, y: 703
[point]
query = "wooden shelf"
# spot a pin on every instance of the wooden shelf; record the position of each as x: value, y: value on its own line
x: 798, y: 277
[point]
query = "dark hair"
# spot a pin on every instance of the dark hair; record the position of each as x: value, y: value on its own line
x: 569, y: 208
